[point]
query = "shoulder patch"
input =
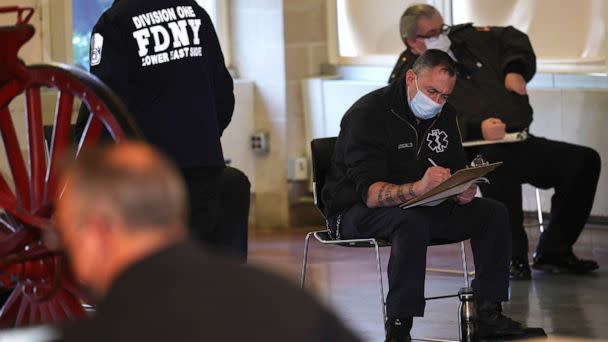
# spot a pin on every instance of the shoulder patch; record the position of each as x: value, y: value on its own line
x: 483, y: 28
x: 96, y: 49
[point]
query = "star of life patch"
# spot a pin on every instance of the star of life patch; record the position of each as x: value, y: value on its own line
x: 96, y: 49
x: 437, y: 141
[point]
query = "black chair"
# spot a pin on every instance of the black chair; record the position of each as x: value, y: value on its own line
x: 322, y: 151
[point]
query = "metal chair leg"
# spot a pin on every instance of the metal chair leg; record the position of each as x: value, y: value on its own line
x: 305, y: 259
x: 379, y: 268
x: 539, y: 210
x: 465, y: 267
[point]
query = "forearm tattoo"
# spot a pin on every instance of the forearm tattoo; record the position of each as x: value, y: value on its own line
x: 381, y: 195
x: 400, y: 194
x: 388, y: 195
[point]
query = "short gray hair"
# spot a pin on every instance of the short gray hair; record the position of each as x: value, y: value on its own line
x: 434, y: 58
x: 408, y: 25
x: 152, y: 196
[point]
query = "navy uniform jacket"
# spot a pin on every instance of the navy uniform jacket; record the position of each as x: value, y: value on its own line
x: 183, y: 293
x: 380, y: 141
x: 485, y: 55
x: 163, y: 58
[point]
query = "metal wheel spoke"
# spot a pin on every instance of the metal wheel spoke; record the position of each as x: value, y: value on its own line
x: 23, y: 311
x: 71, y: 307
x: 60, y: 140
x: 91, y: 134
x: 45, y: 314
x: 56, y: 310
x: 36, y: 146
x: 15, y: 159
x: 34, y: 314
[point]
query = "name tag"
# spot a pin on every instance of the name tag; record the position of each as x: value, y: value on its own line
x: 405, y: 145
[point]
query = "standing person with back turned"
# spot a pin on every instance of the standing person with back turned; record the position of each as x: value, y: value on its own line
x: 163, y: 59
x: 122, y: 221
x: 381, y: 160
x: 494, y: 64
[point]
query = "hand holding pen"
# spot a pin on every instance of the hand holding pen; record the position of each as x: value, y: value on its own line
x: 433, y: 176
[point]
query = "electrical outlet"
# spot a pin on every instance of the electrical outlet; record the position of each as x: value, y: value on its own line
x: 297, y: 169
x: 260, y: 142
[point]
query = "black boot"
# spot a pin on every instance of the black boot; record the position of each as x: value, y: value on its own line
x: 519, y: 270
x: 398, y: 330
x: 563, y: 263
x: 493, y: 324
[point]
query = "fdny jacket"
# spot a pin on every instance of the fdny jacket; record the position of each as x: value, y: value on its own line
x: 485, y: 55
x: 379, y: 142
x: 163, y: 58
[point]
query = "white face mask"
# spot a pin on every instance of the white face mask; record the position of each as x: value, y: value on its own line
x: 422, y: 106
x: 441, y: 42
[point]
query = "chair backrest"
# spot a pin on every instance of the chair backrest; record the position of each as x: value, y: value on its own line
x: 322, y: 151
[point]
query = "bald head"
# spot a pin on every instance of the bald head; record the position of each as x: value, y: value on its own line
x: 139, y: 184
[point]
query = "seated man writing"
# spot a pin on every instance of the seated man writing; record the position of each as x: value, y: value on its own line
x: 381, y: 160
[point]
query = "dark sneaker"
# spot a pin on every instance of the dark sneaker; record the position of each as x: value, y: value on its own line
x: 563, y: 263
x: 520, y: 269
x: 398, y: 330
x: 493, y: 324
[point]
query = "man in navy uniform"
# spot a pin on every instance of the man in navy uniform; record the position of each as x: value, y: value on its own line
x: 382, y: 159
x: 494, y: 65
x: 164, y: 60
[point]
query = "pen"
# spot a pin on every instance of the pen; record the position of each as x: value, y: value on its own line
x: 432, y: 162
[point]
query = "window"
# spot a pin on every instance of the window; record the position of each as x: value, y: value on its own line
x: 366, y: 32
x: 581, y: 46
x: 85, y: 14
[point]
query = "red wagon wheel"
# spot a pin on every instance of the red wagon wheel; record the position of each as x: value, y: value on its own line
x: 43, y: 289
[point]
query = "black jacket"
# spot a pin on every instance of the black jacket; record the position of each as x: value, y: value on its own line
x: 485, y: 55
x: 163, y: 58
x: 185, y: 294
x: 379, y: 141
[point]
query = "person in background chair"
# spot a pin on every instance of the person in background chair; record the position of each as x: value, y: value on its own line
x: 382, y: 159
x: 494, y: 65
x: 122, y: 222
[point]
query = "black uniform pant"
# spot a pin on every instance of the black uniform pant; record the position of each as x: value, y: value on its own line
x: 411, y: 231
x: 219, y: 208
x: 572, y: 170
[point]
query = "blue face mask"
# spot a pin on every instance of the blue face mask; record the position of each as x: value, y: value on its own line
x: 422, y: 106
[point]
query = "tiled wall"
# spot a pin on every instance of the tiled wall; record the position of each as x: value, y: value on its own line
x: 305, y: 51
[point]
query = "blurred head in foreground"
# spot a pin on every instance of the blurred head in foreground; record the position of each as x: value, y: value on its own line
x: 121, y: 203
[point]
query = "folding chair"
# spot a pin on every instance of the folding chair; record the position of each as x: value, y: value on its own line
x: 322, y: 151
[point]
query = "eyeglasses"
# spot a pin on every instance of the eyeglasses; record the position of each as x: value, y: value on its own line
x: 445, y: 29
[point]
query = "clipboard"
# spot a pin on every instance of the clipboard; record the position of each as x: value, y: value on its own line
x: 456, y: 184
x: 509, y: 138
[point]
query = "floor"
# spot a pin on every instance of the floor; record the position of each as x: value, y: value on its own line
x: 346, y: 280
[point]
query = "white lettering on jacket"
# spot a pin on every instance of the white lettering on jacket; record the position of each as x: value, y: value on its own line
x: 167, y: 35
